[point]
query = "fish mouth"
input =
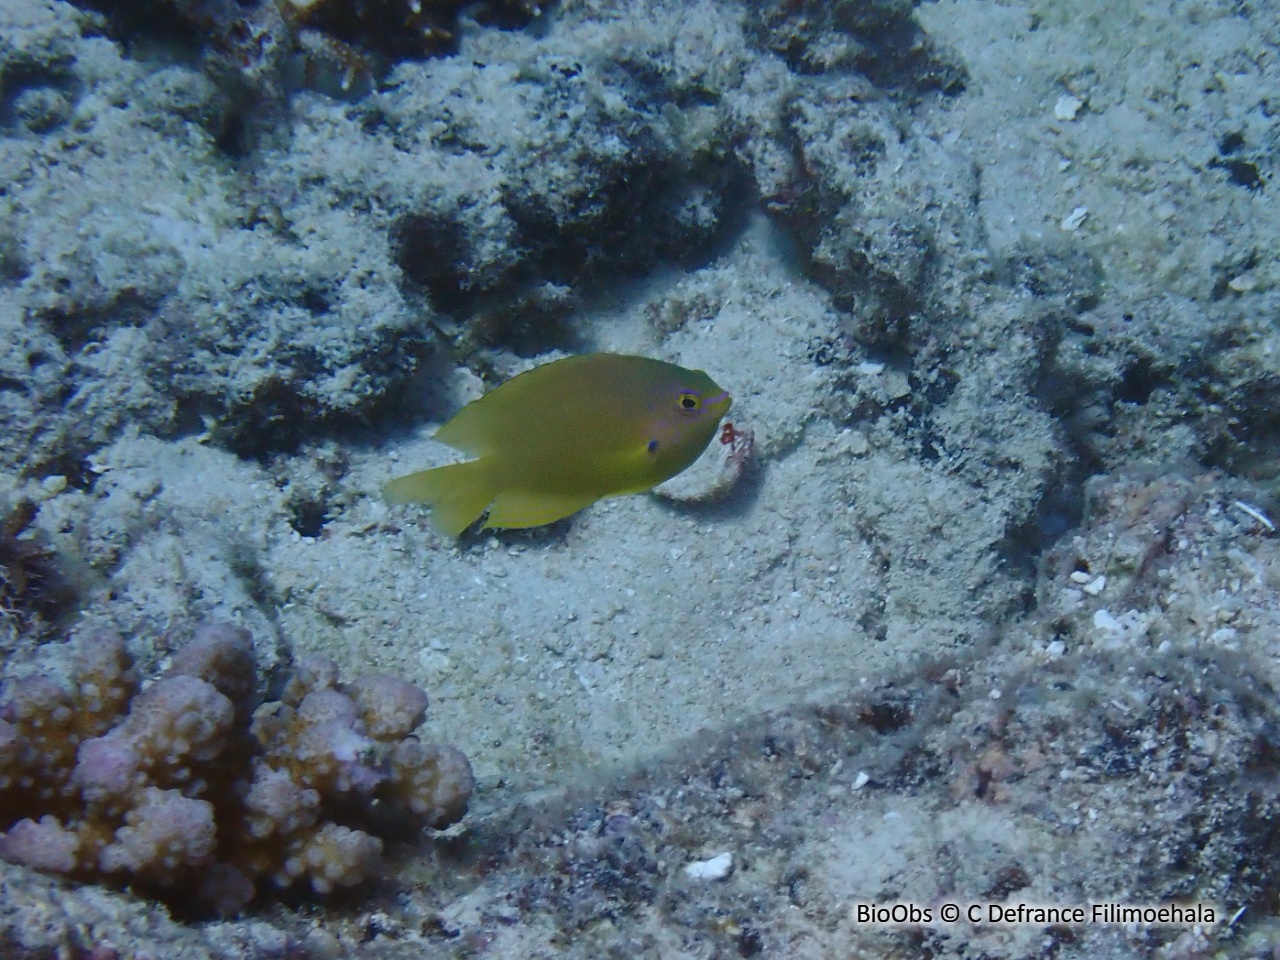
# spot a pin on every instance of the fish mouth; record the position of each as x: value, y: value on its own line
x: 720, y: 403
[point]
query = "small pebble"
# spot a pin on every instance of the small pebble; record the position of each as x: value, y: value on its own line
x: 717, y: 868
x: 854, y: 442
x: 1103, y: 620
x: 1071, y: 222
x: 1067, y: 107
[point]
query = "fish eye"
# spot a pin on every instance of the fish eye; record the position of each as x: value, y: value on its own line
x: 689, y: 401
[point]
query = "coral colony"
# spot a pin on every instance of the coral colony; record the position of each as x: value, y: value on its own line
x: 189, y: 788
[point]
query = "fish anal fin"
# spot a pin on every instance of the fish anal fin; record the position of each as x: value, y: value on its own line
x: 516, y: 509
x: 457, y: 494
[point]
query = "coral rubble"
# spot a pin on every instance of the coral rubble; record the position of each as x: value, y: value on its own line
x: 33, y: 589
x: 189, y: 788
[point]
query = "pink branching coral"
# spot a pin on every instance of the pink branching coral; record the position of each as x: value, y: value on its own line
x: 191, y: 789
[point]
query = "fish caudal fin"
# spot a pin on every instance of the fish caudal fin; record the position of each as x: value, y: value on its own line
x: 457, y: 494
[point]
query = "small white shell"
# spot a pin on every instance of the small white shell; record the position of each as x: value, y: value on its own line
x: 717, y: 868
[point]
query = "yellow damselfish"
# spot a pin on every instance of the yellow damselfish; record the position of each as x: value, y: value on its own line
x: 561, y: 436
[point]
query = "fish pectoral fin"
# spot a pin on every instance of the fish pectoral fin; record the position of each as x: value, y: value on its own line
x: 523, y: 508
x: 457, y: 494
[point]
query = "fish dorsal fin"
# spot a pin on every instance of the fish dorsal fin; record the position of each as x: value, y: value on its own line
x: 485, y: 424
x: 467, y: 431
